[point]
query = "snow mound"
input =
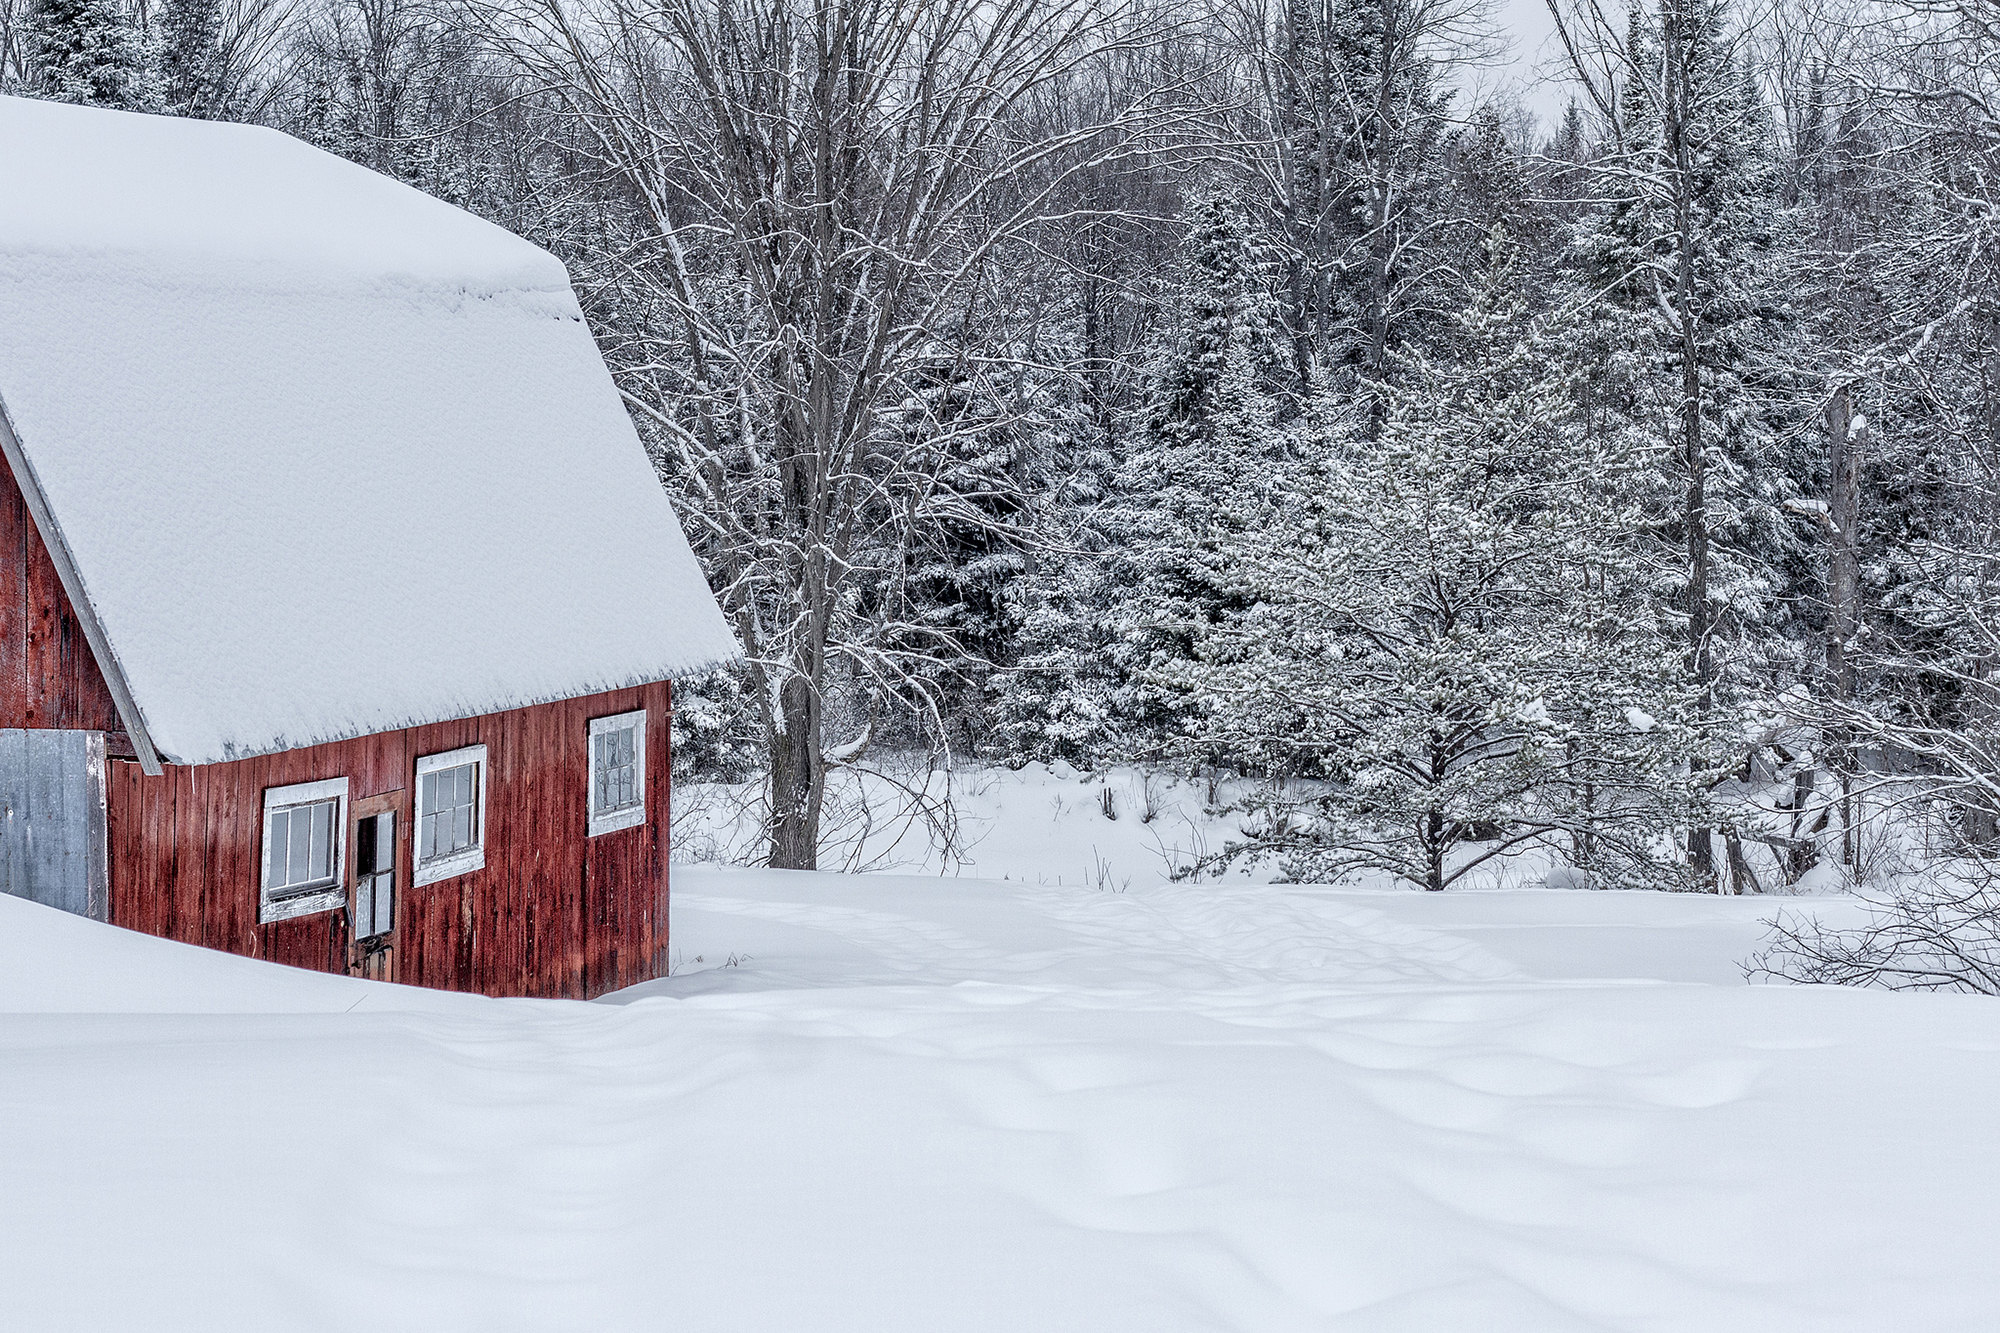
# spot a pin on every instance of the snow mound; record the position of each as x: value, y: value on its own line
x: 903, y: 1105
x: 54, y: 963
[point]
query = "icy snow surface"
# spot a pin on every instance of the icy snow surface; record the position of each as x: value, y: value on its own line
x: 332, y: 456
x: 883, y: 1104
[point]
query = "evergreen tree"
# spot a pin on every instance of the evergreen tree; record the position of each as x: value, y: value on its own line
x: 190, y: 57
x: 1692, y: 341
x: 1453, y: 638
x: 1362, y: 126
x: 1200, y: 468
x: 89, y: 52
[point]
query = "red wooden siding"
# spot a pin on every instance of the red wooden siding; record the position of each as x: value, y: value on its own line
x: 48, y: 678
x: 554, y: 912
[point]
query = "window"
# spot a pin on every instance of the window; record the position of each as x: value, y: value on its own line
x: 451, y: 814
x: 617, y: 772
x: 305, y: 843
x: 374, y: 910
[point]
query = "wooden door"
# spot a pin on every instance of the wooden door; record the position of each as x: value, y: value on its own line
x: 374, y: 904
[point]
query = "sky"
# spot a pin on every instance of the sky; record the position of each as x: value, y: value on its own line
x: 1533, y: 67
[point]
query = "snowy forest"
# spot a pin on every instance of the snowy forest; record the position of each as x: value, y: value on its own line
x: 1233, y: 389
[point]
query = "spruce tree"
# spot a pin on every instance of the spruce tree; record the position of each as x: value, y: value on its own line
x: 1362, y: 123
x: 89, y: 52
x: 1693, y: 342
x: 1203, y: 462
x: 1454, y: 639
x: 190, y: 57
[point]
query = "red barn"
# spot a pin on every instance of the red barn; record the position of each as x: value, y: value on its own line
x: 338, y: 598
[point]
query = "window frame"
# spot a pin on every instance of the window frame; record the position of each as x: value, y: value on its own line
x: 457, y: 863
x: 630, y: 816
x: 288, y: 906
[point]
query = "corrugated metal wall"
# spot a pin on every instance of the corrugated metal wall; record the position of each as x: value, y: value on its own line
x: 52, y: 825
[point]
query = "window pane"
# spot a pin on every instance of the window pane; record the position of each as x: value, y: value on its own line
x: 299, y: 869
x: 429, y: 798
x: 322, y: 867
x: 427, y: 838
x: 461, y: 828
x: 275, y: 852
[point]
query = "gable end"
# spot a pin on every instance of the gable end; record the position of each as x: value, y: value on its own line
x: 56, y: 668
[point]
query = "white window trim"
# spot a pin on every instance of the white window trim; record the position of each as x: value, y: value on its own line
x: 304, y: 904
x: 460, y: 863
x: 631, y: 816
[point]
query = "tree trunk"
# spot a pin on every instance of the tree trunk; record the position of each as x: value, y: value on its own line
x: 796, y: 773
x: 1434, y: 850
x: 1804, y: 852
x: 1700, y: 623
x: 1740, y: 872
x: 1843, y: 620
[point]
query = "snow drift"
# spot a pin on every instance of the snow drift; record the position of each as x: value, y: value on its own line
x: 895, y: 1103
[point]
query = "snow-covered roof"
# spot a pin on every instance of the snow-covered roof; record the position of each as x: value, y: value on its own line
x: 327, y: 456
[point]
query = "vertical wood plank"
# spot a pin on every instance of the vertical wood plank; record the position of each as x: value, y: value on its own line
x: 65, y: 688
x: 14, y: 525
x: 554, y: 913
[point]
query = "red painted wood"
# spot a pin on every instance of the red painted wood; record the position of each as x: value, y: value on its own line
x: 14, y: 526
x: 554, y: 913
x: 48, y: 678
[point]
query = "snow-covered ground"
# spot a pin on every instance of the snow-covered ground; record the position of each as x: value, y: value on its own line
x: 1111, y: 829
x: 1042, y: 823
x: 895, y: 1103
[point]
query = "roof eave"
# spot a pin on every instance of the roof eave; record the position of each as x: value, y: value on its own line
x: 79, y: 600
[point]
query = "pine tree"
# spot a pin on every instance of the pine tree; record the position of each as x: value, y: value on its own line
x: 1692, y: 333
x: 1203, y: 461
x: 190, y: 57
x: 1453, y: 639
x: 1362, y: 125
x: 89, y: 52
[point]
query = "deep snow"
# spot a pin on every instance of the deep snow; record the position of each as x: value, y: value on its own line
x: 896, y: 1103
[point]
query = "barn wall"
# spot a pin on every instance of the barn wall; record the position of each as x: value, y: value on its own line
x: 48, y: 678
x: 553, y: 913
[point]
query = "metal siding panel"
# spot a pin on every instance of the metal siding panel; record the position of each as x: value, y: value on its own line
x: 48, y: 834
x: 13, y: 812
x: 97, y: 830
x: 54, y: 819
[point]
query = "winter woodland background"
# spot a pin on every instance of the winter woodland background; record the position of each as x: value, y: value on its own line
x: 1222, y: 388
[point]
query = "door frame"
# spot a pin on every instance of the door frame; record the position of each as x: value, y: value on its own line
x: 378, y: 963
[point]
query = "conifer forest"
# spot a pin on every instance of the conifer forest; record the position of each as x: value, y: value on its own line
x: 1248, y: 389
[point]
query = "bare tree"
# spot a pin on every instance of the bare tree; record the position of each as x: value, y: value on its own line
x: 823, y: 187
